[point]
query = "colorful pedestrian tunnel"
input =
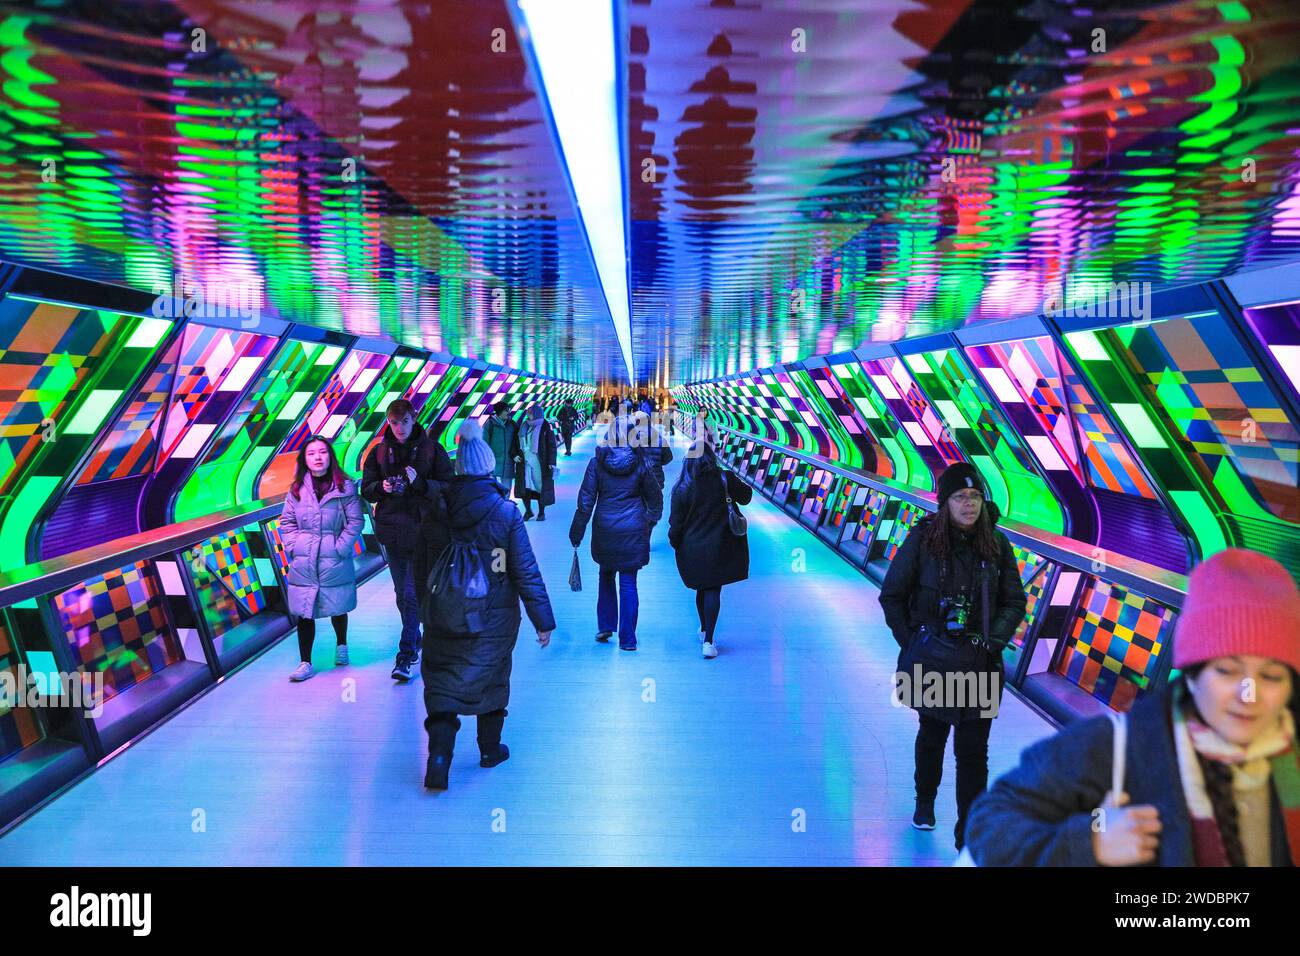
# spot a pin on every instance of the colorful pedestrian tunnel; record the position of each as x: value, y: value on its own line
x: 866, y: 239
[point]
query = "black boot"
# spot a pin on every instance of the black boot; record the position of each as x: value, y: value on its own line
x: 491, y: 750
x: 442, y: 743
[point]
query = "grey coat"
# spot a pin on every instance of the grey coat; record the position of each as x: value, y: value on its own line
x: 319, y: 537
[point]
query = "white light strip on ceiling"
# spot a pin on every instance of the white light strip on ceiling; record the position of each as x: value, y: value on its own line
x: 573, y: 41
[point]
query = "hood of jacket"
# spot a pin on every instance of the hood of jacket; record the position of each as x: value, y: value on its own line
x: 618, y: 459
x: 471, y: 498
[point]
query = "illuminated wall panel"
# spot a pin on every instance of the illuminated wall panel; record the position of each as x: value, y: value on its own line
x: 1114, y: 644
x: 345, y: 390
x: 363, y: 429
x: 226, y: 581
x: 117, y: 625
x: 986, y: 438
x: 20, y: 726
x: 1278, y: 328
x: 912, y: 414
x: 905, y: 460
x: 63, y: 370
x: 249, y: 436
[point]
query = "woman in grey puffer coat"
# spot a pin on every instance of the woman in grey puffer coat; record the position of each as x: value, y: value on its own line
x: 320, y: 527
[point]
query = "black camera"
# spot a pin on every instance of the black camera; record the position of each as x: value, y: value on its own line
x: 399, y: 484
x: 956, y: 614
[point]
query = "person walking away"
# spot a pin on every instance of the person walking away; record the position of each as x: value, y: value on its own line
x: 320, y: 525
x: 709, y: 556
x: 1211, y: 769
x: 568, y: 425
x: 470, y: 674
x: 936, y: 585
x: 535, y: 470
x: 653, y: 444
x: 622, y: 501
x: 502, y: 435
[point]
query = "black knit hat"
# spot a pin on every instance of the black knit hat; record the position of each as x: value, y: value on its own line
x: 959, y: 476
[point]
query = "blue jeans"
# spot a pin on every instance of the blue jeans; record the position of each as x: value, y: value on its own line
x: 617, y: 609
x: 408, y: 603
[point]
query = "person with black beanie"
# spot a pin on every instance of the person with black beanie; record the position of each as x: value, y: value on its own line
x: 953, y: 573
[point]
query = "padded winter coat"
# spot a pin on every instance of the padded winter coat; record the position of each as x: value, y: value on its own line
x: 397, y: 517
x: 708, y: 554
x: 622, y: 499
x: 910, y: 597
x: 319, y: 538
x: 471, y: 675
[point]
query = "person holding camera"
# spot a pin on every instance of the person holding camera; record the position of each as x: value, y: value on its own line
x: 1209, y: 774
x: 401, y: 475
x: 953, y: 599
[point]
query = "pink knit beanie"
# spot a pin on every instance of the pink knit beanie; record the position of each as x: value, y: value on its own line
x: 1239, y: 602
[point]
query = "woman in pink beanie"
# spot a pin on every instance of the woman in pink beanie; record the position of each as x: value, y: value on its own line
x: 1213, y: 772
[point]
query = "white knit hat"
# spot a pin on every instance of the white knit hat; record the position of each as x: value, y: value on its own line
x: 468, y: 429
x: 474, y: 457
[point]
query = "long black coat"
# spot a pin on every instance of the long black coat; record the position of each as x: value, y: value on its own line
x: 620, y: 490
x: 471, y: 675
x: 708, y: 554
x: 547, y: 451
x: 911, y: 591
x: 568, y: 418
x: 397, y: 517
x: 1041, y: 813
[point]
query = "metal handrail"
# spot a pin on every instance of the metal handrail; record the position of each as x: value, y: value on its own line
x: 69, y: 570
x: 1168, y: 587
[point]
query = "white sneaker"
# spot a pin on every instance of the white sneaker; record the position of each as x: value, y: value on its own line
x: 710, y: 650
x: 701, y: 635
x: 340, y: 654
x: 301, y: 672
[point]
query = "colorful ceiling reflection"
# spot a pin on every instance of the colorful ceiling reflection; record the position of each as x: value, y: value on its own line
x: 803, y: 178
x: 370, y: 169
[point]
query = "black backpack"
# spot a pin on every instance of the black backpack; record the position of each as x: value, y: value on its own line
x: 457, y: 590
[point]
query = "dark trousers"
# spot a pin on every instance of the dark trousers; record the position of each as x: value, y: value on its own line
x: 307, y: 633
x: 971, y: 748
x: 442, y: 726
x: 708, y: 604
x: 617, y: 609
x: 568, y: 441
x: 408, y: 604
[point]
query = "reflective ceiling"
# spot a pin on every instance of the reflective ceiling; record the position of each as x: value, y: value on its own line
x: 802, y: 177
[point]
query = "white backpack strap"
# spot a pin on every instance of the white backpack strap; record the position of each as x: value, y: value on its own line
x: 1119, y: 723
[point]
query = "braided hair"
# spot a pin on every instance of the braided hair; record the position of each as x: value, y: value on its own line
x: 1218, y: 776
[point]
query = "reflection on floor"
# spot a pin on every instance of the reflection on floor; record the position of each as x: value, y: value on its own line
x: 785, y: 750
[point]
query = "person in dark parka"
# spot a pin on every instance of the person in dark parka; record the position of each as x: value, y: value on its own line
x: 709, y: 556
x: 536, y: 464
x: 945, y: 558
x: 1211, y: 775
x: 471, y: 675
x: 568, y: 417
x: 652, y: 443
x: 401, y: 475
x: 622, y: 500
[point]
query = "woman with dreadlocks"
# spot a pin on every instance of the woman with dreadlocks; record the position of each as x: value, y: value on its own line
x: 954, y: 585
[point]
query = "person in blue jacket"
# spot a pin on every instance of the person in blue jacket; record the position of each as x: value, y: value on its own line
x: 1211, y: 767
x: 623, y: 500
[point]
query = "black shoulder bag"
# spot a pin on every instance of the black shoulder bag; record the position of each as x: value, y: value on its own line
x: 736, y: 521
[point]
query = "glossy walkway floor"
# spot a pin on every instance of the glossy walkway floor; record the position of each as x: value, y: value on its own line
x: 785, y: 750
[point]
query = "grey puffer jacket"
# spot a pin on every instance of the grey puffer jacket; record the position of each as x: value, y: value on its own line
x: 319, y: 538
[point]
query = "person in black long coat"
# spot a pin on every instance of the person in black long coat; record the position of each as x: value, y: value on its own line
x: 568, y: 418
x: 945, y: 559
x: 471, y: 675
x: 654, y: 445
x: 535, y: 465
x: 623, y: 501
x: 709, y: 556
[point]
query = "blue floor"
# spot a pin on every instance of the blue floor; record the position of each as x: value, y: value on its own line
x: 785, y: 750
